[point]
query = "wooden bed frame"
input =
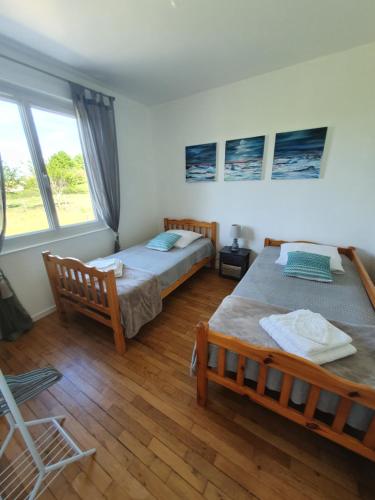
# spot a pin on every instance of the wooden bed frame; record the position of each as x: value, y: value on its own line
x: 94, y: 293
x: 292, y: 367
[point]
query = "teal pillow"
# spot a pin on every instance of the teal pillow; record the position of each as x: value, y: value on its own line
x: 308, y: 266
x: 163, y: 241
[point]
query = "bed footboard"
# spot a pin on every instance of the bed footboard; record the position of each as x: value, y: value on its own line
x: 292, y: 367
x: 86, y: 290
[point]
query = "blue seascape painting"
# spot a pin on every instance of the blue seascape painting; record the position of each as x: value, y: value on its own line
x: 243, y: 159
x: 201, y: 162
x: 298, y: 154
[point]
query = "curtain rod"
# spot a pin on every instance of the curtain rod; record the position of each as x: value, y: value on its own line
x: 27, y: 65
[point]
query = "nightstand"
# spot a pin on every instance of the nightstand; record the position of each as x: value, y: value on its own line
x: 234, y: 264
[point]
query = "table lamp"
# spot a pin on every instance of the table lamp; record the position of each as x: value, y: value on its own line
x: 235, y: 232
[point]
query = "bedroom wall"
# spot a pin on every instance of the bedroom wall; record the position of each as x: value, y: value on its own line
x: 335, y: 91
x: 139, y: 219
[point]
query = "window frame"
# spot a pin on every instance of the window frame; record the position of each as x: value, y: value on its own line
x: 26, y: 100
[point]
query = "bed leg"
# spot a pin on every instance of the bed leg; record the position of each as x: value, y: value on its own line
x: 61, y: 311
x: 114, y: 305
x: 119, y: 336
x: 53, y: 277
x: 202, y: 360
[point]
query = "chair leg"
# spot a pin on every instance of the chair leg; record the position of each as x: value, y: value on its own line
x: 9, y: 436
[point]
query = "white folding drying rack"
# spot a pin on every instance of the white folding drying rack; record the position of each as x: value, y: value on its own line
x: 46, y: 450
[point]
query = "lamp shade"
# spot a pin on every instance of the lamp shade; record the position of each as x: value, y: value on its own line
x: 235, y: 231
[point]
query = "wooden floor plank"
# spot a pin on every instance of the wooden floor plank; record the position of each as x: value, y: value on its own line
x: 152, y: 439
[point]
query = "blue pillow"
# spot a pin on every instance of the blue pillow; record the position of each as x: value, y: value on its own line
x: 308, y: 266
x: 163, y: 241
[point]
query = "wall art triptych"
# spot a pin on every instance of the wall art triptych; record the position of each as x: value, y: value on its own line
x: 297, y: 155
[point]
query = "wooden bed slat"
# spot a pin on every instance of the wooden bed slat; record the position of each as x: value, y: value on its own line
x: 94, y: 291
x: 64, y: 278
x: 77, y: 282
x: 85, y: 287
x: 70, y: 280
x: 241, y: 364
x: 102, y: 293
x: 342, y: 413
x: 262, y: 379
x: 221, y: 360
x: 312, y: 401
x: 286, y: 389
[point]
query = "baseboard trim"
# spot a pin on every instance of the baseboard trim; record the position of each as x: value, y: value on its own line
x: 42, y: 314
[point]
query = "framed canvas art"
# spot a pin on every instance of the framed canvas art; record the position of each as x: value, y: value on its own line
x: 243, y: 159
x: 200, y: 162
x: 298, y: 154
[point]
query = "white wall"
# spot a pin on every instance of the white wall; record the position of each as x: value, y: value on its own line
x: 138, y: 219
x: 335, y: 91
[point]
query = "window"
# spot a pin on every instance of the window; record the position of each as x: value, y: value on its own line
x: 62, y: 155
x: 45, y: 176
x: 25, y: 209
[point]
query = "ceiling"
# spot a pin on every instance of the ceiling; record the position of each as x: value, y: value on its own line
x: 159, y: 50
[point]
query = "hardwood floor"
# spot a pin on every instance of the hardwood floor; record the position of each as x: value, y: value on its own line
x: 152, y: 440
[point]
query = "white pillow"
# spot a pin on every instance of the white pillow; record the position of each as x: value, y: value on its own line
x: 329, y: 251
x: 187, y: 237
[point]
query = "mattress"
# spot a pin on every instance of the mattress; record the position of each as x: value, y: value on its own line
x: 167, y: 266
x: 344, y: 300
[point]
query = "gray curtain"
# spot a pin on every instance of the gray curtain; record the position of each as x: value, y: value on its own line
x: 96, y: 124
x: 14, y: 319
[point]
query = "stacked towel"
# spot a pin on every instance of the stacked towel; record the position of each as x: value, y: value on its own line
x: 108, y: 264
x: 308, y: 335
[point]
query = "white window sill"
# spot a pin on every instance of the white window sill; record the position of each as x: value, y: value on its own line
x: 24, y: 242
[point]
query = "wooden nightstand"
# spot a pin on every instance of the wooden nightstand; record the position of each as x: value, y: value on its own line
x: 234, y: 264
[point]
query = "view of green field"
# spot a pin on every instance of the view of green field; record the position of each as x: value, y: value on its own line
x: 26, y: 213
x: 25, y: 209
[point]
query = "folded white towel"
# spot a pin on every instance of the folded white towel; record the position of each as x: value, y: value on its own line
x: 309, y: 333
x: 111, y: 264
x: 291, y: 339
x: 331, y: 354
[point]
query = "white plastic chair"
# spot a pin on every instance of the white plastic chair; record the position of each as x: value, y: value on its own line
x: 47, y: 446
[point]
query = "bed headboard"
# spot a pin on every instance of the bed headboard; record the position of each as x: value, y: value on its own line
x: 207, y: 229
x: 269, y: 242
x: 349, y: 252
